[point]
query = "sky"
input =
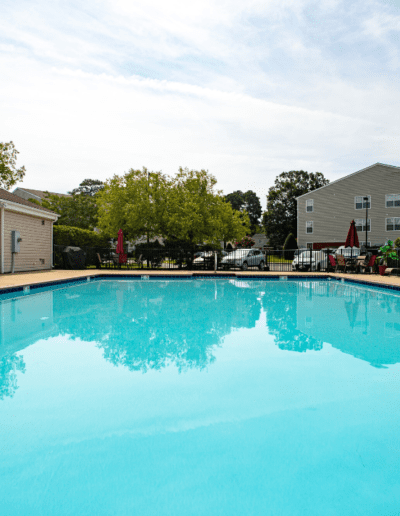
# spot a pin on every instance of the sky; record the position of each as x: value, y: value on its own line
x: 244, y: 89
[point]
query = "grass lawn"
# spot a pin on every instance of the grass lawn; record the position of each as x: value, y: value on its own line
x: 277, y: 259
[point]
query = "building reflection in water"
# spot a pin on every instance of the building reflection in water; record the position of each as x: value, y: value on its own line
x: 146, y: 325
x: 362, y: 322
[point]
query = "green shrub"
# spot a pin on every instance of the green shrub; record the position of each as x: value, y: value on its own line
x: 289, y: 246
x: 68, y: 235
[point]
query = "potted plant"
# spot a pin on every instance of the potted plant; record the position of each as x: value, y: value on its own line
x: 387, y: 252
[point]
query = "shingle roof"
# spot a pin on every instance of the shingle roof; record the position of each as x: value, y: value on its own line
x: 7, y: 196
x: 42, y: 194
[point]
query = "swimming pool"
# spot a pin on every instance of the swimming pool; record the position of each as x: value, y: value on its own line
x: 200, y: 397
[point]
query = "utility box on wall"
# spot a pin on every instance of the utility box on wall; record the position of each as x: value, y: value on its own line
x: 15, y: 241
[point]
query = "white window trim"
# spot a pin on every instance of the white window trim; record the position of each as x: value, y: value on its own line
x: 366, y: 223
x: 394, y: 223
x: 312, y: 205
x: 362, y: 196
x: 312, y: 227
x: 386, y: 199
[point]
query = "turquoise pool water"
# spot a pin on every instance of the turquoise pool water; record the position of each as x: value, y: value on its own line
x: 200, y: 397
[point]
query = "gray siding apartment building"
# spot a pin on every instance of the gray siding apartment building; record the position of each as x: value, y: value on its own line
x: 324, y: 215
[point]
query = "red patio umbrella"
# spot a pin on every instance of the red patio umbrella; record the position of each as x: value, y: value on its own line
x: 352, y: 237
x: 120, y: 247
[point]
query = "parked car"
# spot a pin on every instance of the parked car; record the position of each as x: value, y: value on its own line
x: 348, y: 252
x: 244, y: 258
x: 206, y: 259
x: 308, y: 260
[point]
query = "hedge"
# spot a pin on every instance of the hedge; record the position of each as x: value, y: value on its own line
x: 68, y: 235
x: 289, y: 246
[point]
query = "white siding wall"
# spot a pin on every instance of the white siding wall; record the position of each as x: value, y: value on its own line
x: 35, y: 245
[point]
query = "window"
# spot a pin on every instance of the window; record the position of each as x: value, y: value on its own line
x: 393, y: 224
x: 309, y: 245
x: 310, y: 205
x: 360, y: 225
x: 309, y: 226
x: 392, y: 200
x: 360, y: 204
x: 362, y: 243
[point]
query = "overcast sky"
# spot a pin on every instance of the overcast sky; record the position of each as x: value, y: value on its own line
x: 244, y: 89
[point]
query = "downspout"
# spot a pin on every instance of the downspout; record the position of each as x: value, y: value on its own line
x: 52, y: 246
x: 2, y: 205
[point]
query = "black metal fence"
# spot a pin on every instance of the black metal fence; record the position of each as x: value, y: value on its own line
x: 299, y: 260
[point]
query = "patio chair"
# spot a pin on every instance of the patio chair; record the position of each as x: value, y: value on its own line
x: 361, y: 261
x: 368, y: 264
x: 340, y: 263
x: 101, y: 261
x: 332, y: 262
x: 138, y: 262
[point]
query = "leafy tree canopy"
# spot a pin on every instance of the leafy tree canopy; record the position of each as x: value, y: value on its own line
x: 249, y: 202
x: 80, y: 210
x: 9, y: 173
x: 88, y: 187
x: 185, y: 207
x: 280, y: 219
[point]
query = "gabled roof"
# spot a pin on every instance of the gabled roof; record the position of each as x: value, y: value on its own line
x: 41, y: 193
x: 7, y: 196
x: 349, y: 175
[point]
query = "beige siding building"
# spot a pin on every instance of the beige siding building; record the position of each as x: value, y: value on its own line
x: 324, y: 215
x: 35, y: 227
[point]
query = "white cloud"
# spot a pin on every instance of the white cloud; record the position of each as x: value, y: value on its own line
x: 246, y: 90
x: 380, y: 24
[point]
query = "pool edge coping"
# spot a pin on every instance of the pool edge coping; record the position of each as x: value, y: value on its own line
x: 28, y: 287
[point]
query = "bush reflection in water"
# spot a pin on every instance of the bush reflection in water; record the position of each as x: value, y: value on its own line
x: 146, y: 325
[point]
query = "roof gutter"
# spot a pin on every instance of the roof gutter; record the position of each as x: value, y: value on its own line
x: 27, y: 210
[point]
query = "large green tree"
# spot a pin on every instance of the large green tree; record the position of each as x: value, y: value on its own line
x: 9, y: 173
x: 88, y: 187
x: 280, y: 219
x: 80, y: 209
x: 249, y: 202
x: 185, y: 207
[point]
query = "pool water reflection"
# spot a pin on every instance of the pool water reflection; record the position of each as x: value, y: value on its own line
x: 200, y: 397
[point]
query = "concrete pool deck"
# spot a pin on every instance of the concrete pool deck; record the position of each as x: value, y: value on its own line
x: 30, y: 278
